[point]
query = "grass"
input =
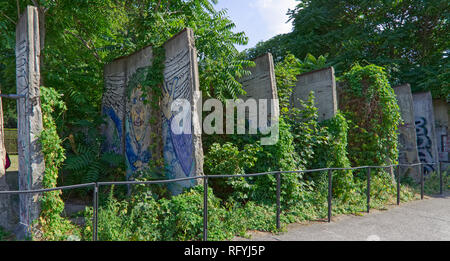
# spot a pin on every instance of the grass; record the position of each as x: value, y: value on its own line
x: 432, y: 183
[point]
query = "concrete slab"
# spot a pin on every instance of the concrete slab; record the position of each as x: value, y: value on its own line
x: 31, y: 159
x: 425, y: 131
x: 128, y: 129
x: 408, y: 153
x: 323, y: 84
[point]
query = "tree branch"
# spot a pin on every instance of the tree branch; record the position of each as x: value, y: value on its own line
x: 157, y: 6
x: 18, y: 9
x: 86, y: 44
x: 9, y: 18
x: 40, y: 7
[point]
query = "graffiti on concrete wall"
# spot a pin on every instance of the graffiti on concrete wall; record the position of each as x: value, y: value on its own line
x: 147, y: 134
x: 137, y: 125
x: 113, y: 109
x: 178, y: 148
x: 22, y: 52
x: 22, y: 64
x: 424, y: 144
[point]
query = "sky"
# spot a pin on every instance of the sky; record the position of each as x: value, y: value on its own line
x: 259, y: 19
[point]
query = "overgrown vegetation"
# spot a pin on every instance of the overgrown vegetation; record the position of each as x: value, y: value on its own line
x: 432, y: 184
x: 80, y: 39
x: 51, y: 225
x: 237, y: 205
x: 409, y: 38
x: 370, y: 105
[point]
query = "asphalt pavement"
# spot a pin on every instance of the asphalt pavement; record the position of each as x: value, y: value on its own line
x: 421, y: 220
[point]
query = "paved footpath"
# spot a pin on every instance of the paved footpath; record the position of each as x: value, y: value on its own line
x: 427, y: 220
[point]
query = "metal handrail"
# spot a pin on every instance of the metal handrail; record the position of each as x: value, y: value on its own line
x: 207, y: 177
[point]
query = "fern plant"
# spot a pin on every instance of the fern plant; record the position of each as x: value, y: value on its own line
x: 311, y: 63
x: 86, y: 163
x: 89, y: 165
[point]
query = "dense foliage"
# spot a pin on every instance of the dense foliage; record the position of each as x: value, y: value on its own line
x: 409, y: 38
x: 369, y: 102
x: 78, y: 40
x: 50, y: 223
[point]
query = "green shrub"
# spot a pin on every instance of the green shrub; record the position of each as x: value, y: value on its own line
x: 227, y: 159
x: 142, y: 218
x: 306, y: 131
x: 51, y: 224
x: 369, y: 103
x: 333, y: 154
x: 4, y: 235
x: 278, y: 157
x: 432, y: 182
x: 135, y: 218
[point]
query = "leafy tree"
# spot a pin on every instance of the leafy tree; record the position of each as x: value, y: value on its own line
x: 278, y: 46
x: 409, y: 38
x: 82, y: 36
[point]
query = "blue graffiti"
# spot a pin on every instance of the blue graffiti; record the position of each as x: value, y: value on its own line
x: 183, y: 149
x: 178, y: 149
x: 133, y: 156
x: 424, y: 145
x: 114, y: 144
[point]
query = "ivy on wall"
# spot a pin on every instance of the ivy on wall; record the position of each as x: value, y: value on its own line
x: 153, y: 85
x: 240, y: 204
x: 369, y: 103
x: 51, y: 224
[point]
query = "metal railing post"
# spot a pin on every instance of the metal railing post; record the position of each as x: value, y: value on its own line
x: 398, y: 184
x: 330, y: 191
x: 95, y: 214
x: 205, y: 208
x: 422, y: 185
x: 278, y: 199
x: 441, y: 181
x: 97, y: 185
x: 368, y: 190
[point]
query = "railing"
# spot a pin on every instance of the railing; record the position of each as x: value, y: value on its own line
x: 278, y: 174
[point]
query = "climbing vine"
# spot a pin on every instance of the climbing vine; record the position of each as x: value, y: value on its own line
x: 153, y: 85
x: 51, y: 224
x: 248, y: 203
x: 369, y: 102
